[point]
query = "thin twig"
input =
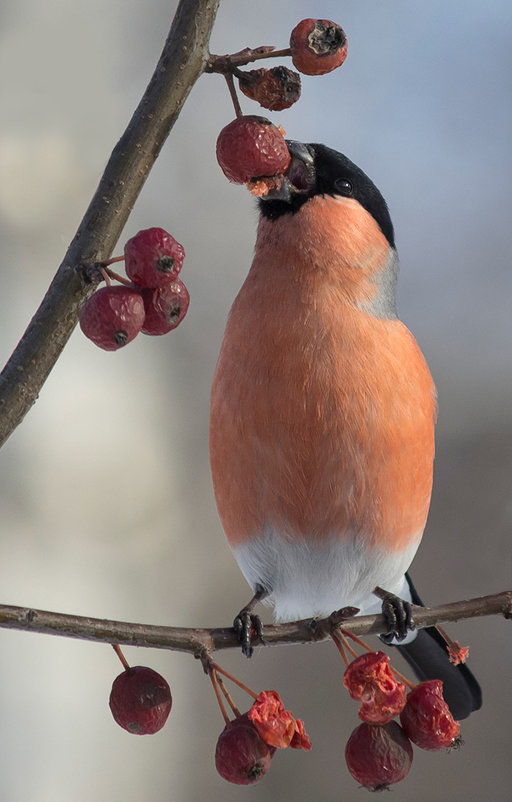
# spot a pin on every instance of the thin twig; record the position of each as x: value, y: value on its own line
x: 202, y: 641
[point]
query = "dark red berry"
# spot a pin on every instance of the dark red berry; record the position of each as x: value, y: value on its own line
x: 276, y: 89
x: 113, y: 316
x: 165, y: 307
x: 250, y: 147
x: 426, y: 717
x: 153, y: 258
x: 140, y: 700
x: 241, y: 756
x: 378, y: 755
x: 318, y: 46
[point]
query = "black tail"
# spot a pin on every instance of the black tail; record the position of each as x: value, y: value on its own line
x: 428, y: 657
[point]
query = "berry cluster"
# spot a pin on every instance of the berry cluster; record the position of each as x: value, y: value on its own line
x: 379, y: 751
x: 251, y: 149
x: 153, y: 300
x: 248, y: 742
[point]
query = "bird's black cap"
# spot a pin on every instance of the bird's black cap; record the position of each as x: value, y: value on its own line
x: 318, y: 170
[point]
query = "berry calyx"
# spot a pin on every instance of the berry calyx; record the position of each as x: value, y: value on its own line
x: 318, y: 46
x: 276, y: 89
x: 426, y: 717
x: 140, y: 700
x: 378, y: 755
x: 250, y: 147
x: 369, y: 679
x: 241, y: 755
x: 153, y: 258
x: 165, y: 307
x: 112, y: 317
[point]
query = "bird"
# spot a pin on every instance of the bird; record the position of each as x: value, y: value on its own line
x: 322, y: 415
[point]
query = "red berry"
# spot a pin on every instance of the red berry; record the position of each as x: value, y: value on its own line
x: 140, y: 700
x: 249, y: 147
x: 241, y: 756
x: 153, y: 258
x: 369, y: 678
x: 165, y: 307
x: 426, y: 717
x: 276, y: 89
x: 378, y: 755
x: 318, y: 46
x: 112, y: 317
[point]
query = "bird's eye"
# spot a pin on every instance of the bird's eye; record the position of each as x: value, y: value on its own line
x: 343, y: 186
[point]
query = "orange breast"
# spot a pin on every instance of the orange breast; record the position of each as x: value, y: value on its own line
x: 322, y: 415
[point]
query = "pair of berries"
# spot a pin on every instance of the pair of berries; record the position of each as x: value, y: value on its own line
x: 155, y: 302
x: 247, y: 744
x: 379, y: 751
x: 317, y: 46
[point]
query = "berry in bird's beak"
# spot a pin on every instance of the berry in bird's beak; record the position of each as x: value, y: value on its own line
x: 299, y: 177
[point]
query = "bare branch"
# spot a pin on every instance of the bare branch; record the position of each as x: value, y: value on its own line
x: 197, y: 641
x: 183, y: 59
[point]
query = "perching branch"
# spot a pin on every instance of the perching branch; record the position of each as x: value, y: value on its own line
x: 183, y: 59
x: 199, y: 641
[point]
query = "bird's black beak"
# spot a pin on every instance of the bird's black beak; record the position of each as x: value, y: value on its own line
x: 299, y: 178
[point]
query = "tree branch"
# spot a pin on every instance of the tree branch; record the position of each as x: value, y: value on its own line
x: 183, y: 59
x: 198, y: 641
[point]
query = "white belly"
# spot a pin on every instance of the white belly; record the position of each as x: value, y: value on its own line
x: 312, y: 580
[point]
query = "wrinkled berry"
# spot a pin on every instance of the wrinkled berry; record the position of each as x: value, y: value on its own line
x: 165, y: 307
x: 112, y: 317
x: 426, y: 717
x: 369, y: 679
x: 378, y: 755
x: 249, y: 147
x: 276, y: 89
x: 241, y: 756
x: 153, y: 258
x: 318, y: 46
x: 140, y: 700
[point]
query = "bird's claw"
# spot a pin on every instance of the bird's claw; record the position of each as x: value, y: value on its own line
x: 398, y: 615
x: 248, y: 625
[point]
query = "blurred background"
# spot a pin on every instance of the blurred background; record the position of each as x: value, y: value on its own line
x: 106, y: 501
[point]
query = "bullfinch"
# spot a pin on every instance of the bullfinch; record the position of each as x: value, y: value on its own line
x: 323, y: 411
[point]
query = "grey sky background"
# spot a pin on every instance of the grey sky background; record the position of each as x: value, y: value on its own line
x: 106, y: 501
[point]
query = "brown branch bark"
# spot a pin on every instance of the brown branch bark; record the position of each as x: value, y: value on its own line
x: 198, y: 641
x: 183, y: 59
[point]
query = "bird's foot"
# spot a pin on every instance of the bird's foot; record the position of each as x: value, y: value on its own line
x: 247, y: 625
x: 398, y: 615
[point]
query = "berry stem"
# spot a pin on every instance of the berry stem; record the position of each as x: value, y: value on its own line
x: 340, y: 642
x: 106, y: 276
x: 229, y: 676
x: 232, y: 91
x: 229, y: 698
x: 116, y: 276
x: 226, y: 64
x: 398, y: 674
x: 456, y: 652
x: 357, y: 640
x: 212, y: 673
x: 111, y: 261
x: 121, y: 656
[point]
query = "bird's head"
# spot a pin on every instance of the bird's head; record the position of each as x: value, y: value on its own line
x: 316, y: 170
